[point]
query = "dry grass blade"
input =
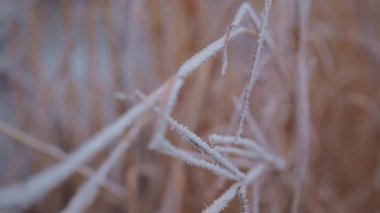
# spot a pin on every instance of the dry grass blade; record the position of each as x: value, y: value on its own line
x: 87, y: 193
x: 303, y: 104
x: 57, y: 154
x: 256, y: 198
x: 27, y: 140
x: 23, y: 195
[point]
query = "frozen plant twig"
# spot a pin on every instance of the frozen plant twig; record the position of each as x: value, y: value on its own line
x: 185, y: 70
x: 244, y: 9
x: 303, y: 121
x: 225, y: 52
x: 222, y: 202
x: 169, y: 149
x: 229, y: 140
x: 254, y: 70
x: 198, y: 142
x: 198, y: 59
x: 219, y: 204
x: 237, y: 151
x: 188, y: 157
x: 244, y: 199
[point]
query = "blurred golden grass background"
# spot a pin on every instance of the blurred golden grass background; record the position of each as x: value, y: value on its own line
x: 62, y: 62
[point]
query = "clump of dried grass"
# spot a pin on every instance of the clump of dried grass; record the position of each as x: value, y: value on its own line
x: 310, y: 116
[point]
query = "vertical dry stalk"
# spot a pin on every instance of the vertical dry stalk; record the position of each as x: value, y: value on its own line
x: 303, y: 106
x: 95, y: 90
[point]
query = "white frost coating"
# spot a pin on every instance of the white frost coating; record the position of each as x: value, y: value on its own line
x: 225, y: 52
x: 225, y: 59
x: 87, y: 193
x: 253, y: 174
x: 186, y: 69
x: 237, y: 151
x: 22, y: 195
x: 219, y: 204
x: 254, y: 70
x: 223, y: 200
x: 246, y: 8
x: 229, y: 140
x: 188, y: 158
x: 243, y: 196
x: 198, y: 142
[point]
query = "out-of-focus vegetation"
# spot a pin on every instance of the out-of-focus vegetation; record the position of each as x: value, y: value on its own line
x: 68, y: 68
